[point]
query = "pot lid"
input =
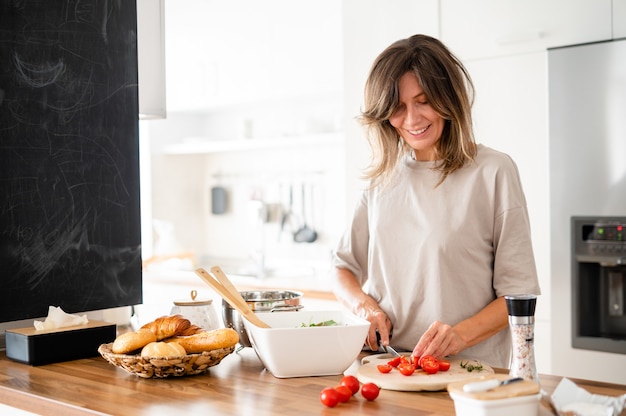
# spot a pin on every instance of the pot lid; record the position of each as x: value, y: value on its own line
x: 193, y: 301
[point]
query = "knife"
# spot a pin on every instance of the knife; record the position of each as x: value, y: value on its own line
x: 488, y: 384
x: 392, y: 351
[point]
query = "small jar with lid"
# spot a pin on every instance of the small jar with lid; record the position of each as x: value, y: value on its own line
x: 200, y: 312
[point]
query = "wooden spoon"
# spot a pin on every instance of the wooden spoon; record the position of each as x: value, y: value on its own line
x: 230, y: 294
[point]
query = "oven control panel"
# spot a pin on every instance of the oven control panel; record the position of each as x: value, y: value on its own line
x: 600, y: 239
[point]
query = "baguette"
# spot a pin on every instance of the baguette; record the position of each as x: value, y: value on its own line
x: 131, y: 341
x: 207, y: 341
x: 168, y: 326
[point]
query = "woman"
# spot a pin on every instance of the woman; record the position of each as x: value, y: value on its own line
x: 442, y: 232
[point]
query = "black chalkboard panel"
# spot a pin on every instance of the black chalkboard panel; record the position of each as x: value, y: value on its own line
x: 69, y: 157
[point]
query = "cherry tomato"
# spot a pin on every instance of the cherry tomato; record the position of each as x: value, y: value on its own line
x: 384, y: 368
x: 406, y: 369
x: 329, y: 397
x: 344, y: 393
x: 370, y: 391
x: 352, y: 383
x: 444, y: 365
x: 394, y: 362
x: 416, y: 360
x: 429, y: 364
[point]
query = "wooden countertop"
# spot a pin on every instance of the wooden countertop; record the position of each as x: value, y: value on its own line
x: 238, y: 385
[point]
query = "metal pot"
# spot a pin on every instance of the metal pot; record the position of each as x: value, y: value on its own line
x: 259, y: 301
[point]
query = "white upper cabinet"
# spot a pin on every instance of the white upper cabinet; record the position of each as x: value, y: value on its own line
x: 151, y: 58
x: 221, y: 53
x: 619, y: 19
x: 489, y: 28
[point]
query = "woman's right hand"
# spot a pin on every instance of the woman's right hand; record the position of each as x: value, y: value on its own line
x: 380, y: 325
x: 350, y: 294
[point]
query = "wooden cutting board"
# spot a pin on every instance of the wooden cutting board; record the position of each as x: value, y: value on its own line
x: 418, y: 381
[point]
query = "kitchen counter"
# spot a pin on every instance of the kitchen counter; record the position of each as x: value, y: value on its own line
x: 238, y: 385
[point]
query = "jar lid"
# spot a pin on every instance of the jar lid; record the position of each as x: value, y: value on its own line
x: 193, y: 301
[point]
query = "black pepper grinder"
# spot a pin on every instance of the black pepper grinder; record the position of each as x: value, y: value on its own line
x: 521, y: 309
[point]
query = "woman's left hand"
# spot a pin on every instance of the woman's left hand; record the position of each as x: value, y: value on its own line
x: 439, y: 340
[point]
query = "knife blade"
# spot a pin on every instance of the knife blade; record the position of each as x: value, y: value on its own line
x: 479, y: 386
x: 392, y: 351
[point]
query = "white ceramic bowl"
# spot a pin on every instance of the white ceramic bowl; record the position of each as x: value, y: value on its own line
x: 288, y: 349
x: 512, y: 406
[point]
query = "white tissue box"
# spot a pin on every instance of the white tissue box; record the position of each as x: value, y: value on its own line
x: 38, y: 347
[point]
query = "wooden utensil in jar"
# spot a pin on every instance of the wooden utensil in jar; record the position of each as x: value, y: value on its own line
x: 227, y: 290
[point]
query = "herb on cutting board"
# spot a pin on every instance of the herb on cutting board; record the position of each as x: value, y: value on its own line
x: 470, y: 367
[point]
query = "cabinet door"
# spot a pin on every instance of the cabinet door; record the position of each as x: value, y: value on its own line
x: 224, y: 53
x: 619, y: 19
x: 487, y: 28
x: 151, y: 58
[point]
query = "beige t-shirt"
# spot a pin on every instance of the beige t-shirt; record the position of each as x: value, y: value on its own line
x: 443, y: 253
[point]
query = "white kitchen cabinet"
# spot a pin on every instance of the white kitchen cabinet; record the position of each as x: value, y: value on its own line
x: 487, y: 28
x: 225, y: 54
x: 619, y: 19
x: 151, y: 58
x: 511, y: 115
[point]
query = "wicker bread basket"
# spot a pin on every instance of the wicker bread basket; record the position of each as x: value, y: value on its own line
x: 188, y: 365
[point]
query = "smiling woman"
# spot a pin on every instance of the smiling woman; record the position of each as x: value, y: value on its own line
x: 431, y: 277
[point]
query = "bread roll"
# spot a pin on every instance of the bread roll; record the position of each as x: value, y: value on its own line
x: 131, y: 341
x: 163, y: 350
x: 208, y: 340
x: 168, y: 326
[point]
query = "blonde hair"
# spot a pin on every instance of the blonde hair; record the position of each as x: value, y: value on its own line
x: 449, y: 90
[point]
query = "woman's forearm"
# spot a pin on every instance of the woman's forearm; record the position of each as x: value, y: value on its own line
x: 490, y: 320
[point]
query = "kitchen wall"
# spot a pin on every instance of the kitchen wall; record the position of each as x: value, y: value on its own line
x: 254, y: 93
x: 214, y: 113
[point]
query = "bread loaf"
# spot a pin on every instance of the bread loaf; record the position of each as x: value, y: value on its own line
x: 163, y: 350
x: 208, y: 340
x: 168, y: 326
x: 131, y: 341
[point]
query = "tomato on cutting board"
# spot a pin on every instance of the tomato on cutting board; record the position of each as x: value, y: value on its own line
x: 384, y: 368
x: 406, y: 369
x: 394, y: 362
x: 444, y: 365
x: 429, y: 364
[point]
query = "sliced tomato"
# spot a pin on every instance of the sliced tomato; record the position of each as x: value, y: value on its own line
x: 405, y: 360
x: 406, y: 369
x: 444, y: 365
x: 384, y: 368
x: 429, y: 364
x: 394, y: 362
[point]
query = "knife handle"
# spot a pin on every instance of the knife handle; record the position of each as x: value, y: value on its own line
x: 481, y: 386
